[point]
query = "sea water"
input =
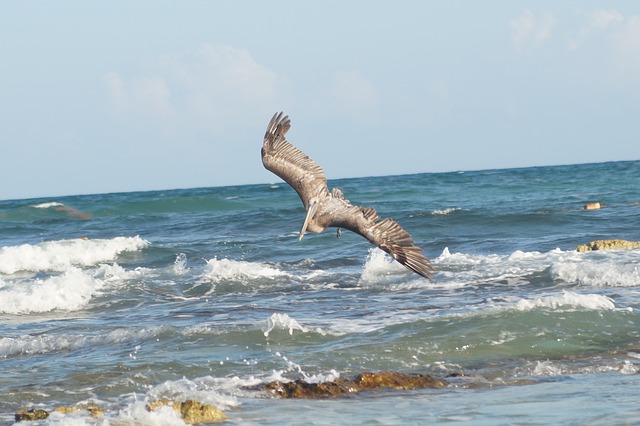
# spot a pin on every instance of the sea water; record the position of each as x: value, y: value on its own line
x: 204, y: 294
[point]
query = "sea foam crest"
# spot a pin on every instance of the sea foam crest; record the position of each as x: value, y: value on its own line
x: 47, y: 205
x: 238, y: 270
x: 603, y: 273
x: 445, y: 211
x: 282, y: 321
x: 221, y: 393
x: 464, y: 269
x: 607, y: 269
x: 380, y: 265
x: 568, y: 300
x: 69, y: 291
x: 279, y: 321
x: 58, y: 256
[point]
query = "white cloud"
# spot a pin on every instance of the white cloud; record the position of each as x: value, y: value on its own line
x: 603, y: 18
x: 355, y: 96
x: 148, y: 95
x: 216, y: 85
x: 617, y: 35
x: 530, y: 30
x: 626, y: 47
x: 596, y: 20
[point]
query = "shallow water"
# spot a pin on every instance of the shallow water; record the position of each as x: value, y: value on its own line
x: 119, y: 299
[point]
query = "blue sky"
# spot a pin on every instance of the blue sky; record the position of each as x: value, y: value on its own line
x: 138, y: 95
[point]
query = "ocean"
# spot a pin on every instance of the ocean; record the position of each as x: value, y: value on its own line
x: 205, y: 294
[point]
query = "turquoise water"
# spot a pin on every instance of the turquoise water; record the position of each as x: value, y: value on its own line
x: 118, y: 299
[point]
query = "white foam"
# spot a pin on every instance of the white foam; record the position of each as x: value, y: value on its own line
x: 554, y: 368
x: 591, y: 272
x: 379, y: 266
x: 116, y: 273
x: 67, y: 292
x: 238, y: 270
x: 58, y: 256
x: 568, y: 300
x: 137, y: 414
x: 218, y: 392
x: 547, y: 368
x: 180, y: 264
x: 598, y: 269
x: 629, y: 368
x: 47, y: 205
x: 283, y: 322
x: 445, y: 211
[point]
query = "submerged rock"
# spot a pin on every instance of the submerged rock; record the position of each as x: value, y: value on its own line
x: 609, y: 245
x: 94, y: 410
x: 36, y: 414
x: 192, y: 412
x: 364, y: 381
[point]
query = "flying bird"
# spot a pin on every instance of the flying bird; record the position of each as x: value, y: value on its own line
x: 327, y: 209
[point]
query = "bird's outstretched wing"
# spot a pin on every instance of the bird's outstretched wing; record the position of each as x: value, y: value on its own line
x: 289, y: 163
x: 387, y: 234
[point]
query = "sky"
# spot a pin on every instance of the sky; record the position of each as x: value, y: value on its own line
x: 118, y: 96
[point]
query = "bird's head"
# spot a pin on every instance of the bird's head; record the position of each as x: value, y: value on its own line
x: 312, y: 206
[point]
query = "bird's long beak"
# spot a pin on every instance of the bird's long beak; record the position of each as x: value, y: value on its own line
x: 310, y: 212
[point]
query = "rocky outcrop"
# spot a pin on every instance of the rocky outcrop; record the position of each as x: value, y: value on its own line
x: 364, y: 381
x: 609, y: 245
x: 31, y: 415
x: 192, y: 412
x: 94, y: 410
x: 36, y: 414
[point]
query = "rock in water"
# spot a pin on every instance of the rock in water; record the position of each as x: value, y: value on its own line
x: 192, y: 412
x: 94, y: 410
x: 391, y: 379
x: 343, y: 387
x: 36, y: 414
x: 609, y: 245
x: 592, y: 206
x: 30, y: 415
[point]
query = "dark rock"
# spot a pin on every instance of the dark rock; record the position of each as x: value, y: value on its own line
x: 390, y: 379
x: 344, y: 387
x: 29, y: 415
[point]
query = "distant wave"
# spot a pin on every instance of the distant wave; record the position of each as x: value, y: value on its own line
x: 47, y: 205
x: 445, y: 211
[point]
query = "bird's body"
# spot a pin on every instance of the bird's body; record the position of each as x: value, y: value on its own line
x: 326, y: 208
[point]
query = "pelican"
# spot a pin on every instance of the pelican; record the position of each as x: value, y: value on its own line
x: 330, y: 209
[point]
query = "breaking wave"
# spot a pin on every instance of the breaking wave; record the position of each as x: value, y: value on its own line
x: 58, y: 256
x: 218, y: 270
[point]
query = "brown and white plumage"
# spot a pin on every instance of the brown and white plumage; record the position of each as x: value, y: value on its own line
x: 329, y: 209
